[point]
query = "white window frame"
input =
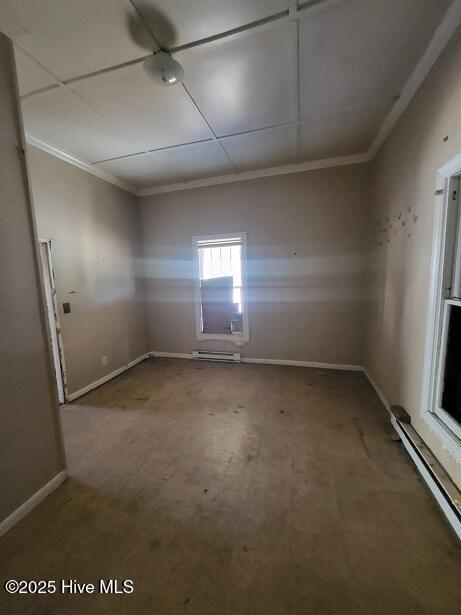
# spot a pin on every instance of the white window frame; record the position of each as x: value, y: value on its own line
x: 437, y: 409
x: 237, y: 338
x: 444, y: 276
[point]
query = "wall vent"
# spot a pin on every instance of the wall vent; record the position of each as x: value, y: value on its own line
x: 206, y: 355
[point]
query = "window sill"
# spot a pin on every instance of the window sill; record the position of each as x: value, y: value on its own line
x: 224, y: 337
x: 446, y: 437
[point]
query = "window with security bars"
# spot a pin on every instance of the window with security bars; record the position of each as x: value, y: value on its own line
x: 220, y: 301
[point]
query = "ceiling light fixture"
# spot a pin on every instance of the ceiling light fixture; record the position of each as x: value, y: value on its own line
x: 163, y: 69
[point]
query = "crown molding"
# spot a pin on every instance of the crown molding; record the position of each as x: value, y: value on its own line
x: 199, y: 183
x: 439, y: 41
x: 76, y: 162
x: 246, y: 175
x: 437, y: 44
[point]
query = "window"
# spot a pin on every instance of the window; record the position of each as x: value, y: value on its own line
x: 220, y: 291
x: 446, y: 404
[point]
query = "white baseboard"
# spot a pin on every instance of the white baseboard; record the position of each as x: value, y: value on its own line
x: 351, y: 368
x: 355, y: 368
x: 32, y: 502
x: 185, y: 355
x: 435, y: 489
x: 42, y: 493
x: 378, y: 391
x: 428, y: 477
x: 106, y: 378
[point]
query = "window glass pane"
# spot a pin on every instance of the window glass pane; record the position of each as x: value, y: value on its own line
x: 451, y: 396
x: 220, y: 268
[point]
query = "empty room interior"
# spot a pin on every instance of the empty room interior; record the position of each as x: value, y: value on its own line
x: 230, y: 256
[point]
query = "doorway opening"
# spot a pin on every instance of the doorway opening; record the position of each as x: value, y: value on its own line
x: 53, y: 319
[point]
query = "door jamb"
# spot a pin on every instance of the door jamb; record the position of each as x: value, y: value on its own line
x: 48, y: 245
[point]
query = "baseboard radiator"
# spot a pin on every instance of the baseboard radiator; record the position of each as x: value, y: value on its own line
x: 208, y: 355
x: 444, y: 490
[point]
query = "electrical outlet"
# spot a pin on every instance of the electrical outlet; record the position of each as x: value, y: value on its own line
x: 104, y: 360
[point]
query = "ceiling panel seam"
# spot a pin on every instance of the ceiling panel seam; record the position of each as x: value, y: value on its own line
x: 313, y: 4
x: 294, y: 26
x: 109, y: 119
x: 185, y: 89
x: 76, y: 162
x: 252, y: 130
x: 215, y: 138
x: 270, y: 21
x: 58, y: 80
x: 140, y: 16
x: 234, y: 166
x: 228, y: 35
x: 43, y: 90
x: 260, y: 173
x: 210, y: 140
x: 441, y: 37
x: 158, y: 149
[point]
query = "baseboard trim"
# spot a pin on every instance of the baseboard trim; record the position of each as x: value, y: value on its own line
x: 431, y: 473
x: 338, y: 366
x: 55, y: 482
x: 104, y: 379
x: 185, y: 355
x: 424, y: 472
x: 378, y: 391
x: 32, y: 502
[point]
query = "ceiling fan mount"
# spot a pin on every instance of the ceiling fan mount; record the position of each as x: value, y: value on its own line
x: 162, y: 68
x: 154, y: 32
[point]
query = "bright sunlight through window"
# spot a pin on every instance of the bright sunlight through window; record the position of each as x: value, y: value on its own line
x: 220, y: 308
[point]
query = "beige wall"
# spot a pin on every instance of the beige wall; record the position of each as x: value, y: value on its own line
x: 96, y: 247
x: 404, y: 177
x: 356, y: 293
x: 31, y: 452
x: 307, y: 308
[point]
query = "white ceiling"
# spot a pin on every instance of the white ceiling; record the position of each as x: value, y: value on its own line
x: 314, y: 82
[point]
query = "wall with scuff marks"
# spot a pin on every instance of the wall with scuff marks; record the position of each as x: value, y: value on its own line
x: 400, y: 239
x: 308, y: 307
x: 31, y: 452
x: 95, y: 232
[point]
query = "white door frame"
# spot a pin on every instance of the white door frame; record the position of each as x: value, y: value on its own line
x: 442, y: 238
x: 59, y: 366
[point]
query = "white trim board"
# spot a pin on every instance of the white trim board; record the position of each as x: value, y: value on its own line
x: 439, y: 41
x: 80, y: 164
x: 300, y: 167
x: 104, y: 379
x: 437, y: 44
x: 269, y: 172
x: 428, y: 479
x: 434, y: 487
x: 378, y: 391
x: 201, y: 241
x: 314, y: 364
x: 32, y: 502
x: 339, y: 366
x: 440, y: 243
